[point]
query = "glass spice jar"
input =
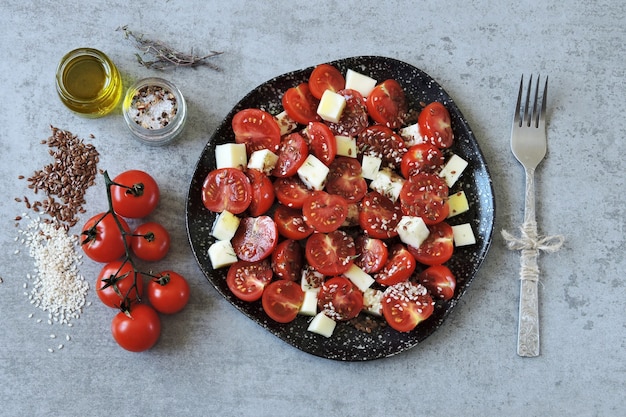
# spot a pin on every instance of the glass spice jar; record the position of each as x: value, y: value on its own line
x: 155, y: 111
x: 88, y: 82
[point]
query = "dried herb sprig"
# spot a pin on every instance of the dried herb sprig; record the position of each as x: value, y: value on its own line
x: 165, y: 56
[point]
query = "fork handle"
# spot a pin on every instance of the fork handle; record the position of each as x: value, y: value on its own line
x: 528, y: 331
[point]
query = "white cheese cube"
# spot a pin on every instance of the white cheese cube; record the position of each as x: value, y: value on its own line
x: 311, y: 280
x: 463, y: 235
x: 372, y: 301
x: 453, y: 169
x: 286, y: 123
x: 221, y: 254
x: 360, y: 82
x: 231, y: 155
x: 322, y: 324
x: 411, y: 135
x: 458, y: 203
x: 346, y: 146
x: 370, y: 166
x: 360, y: 278
x: 388, y: 183
x: 313, y: 172
x: 331, y: 106
x: 263, y: 160
x: 225, y: 226
x: 309, y: 305
x: 412, y: 230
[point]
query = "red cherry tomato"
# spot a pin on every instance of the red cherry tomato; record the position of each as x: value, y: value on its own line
x: 405, y: 305
x: 387, y: 105
x: 324, y: 212
x: 379, y: 216
x: 226, y: 189
x: 330, y: 253
x: 435, y: 126
x: 101, y: 238
x: 282, y: 300
x: 354, y: 116
x: 345, y: 179
x: 325, y: 77
x: 291, y: 191
x: 399, y: 266
x: 134, y: 194
x: 300, y: 104
x: 168, y: 292
x: 255, y: 238
x: 263, y: 195
x: 288, y: 260
x: 439, y: 281
x: 290, y: 223
x: 422, y: 157
x: 150, y: 241
x: 117, y: 281
x: 438, y: 246
x: 292, y: 152
x: 340, y: 299
x: 137, y: 330
x: 425, y: 196
x: 322, y: 142
x: 382, y: 142
x: 257, y: 129
x: 372, y: 253
x: 247, y: 280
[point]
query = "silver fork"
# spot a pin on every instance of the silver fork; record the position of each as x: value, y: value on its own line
x: 529, y: 144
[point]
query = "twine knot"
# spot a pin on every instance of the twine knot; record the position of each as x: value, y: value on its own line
x: 530, y: 244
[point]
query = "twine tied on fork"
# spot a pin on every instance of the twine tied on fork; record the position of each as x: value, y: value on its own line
x: 530, y: 243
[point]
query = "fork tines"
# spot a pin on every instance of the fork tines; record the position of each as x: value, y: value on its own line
x: 535, y: 116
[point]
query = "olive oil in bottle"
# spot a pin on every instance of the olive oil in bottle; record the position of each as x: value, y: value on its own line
x: 88, y: 83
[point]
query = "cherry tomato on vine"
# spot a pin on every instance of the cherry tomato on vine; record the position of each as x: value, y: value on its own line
x: 282, y: 300
x: 101, y: 238
x: 116, y: 281
x: 137, y: 194
x: 150, y: 241
x: 168, y: 292
x: 226, y: 189
x: 138, y: 329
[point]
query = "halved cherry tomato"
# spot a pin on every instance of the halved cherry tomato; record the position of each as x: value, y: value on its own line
x: 384, y: 143
x: 101, y: 238
x: 379, y: 216
x: 406, y: 304
x: 324, y: 212
x: 117, y: 281
x: 372, y: 253
x: 247, y: 280
x: 386, y: 104
x: 439, y: 281
x: 282, y: 300
x: 300, y: 104
x: 330, y: 253
x: 438, y: 246
x: 135, y: 194
x: 138, y: 329
x: 425, y: 195
x: 435, y: 126
x: 422, y: 157
x: 226, y: 189
x: 255, y: 238
x: 290, y: 223
x: 322, y: 142
x: 257, y: 129
x: 345, y: 178
x: 292, y: 152
x: 150, y: 241
x: 325, y: 77
x: 263, y: 195
x: 291, y: 191
x: 288, y: 260
x: 399, y: 267
x: 354, y: 116
x: 340, y: 299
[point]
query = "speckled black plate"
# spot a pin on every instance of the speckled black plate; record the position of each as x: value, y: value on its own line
x: 347, y: 343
